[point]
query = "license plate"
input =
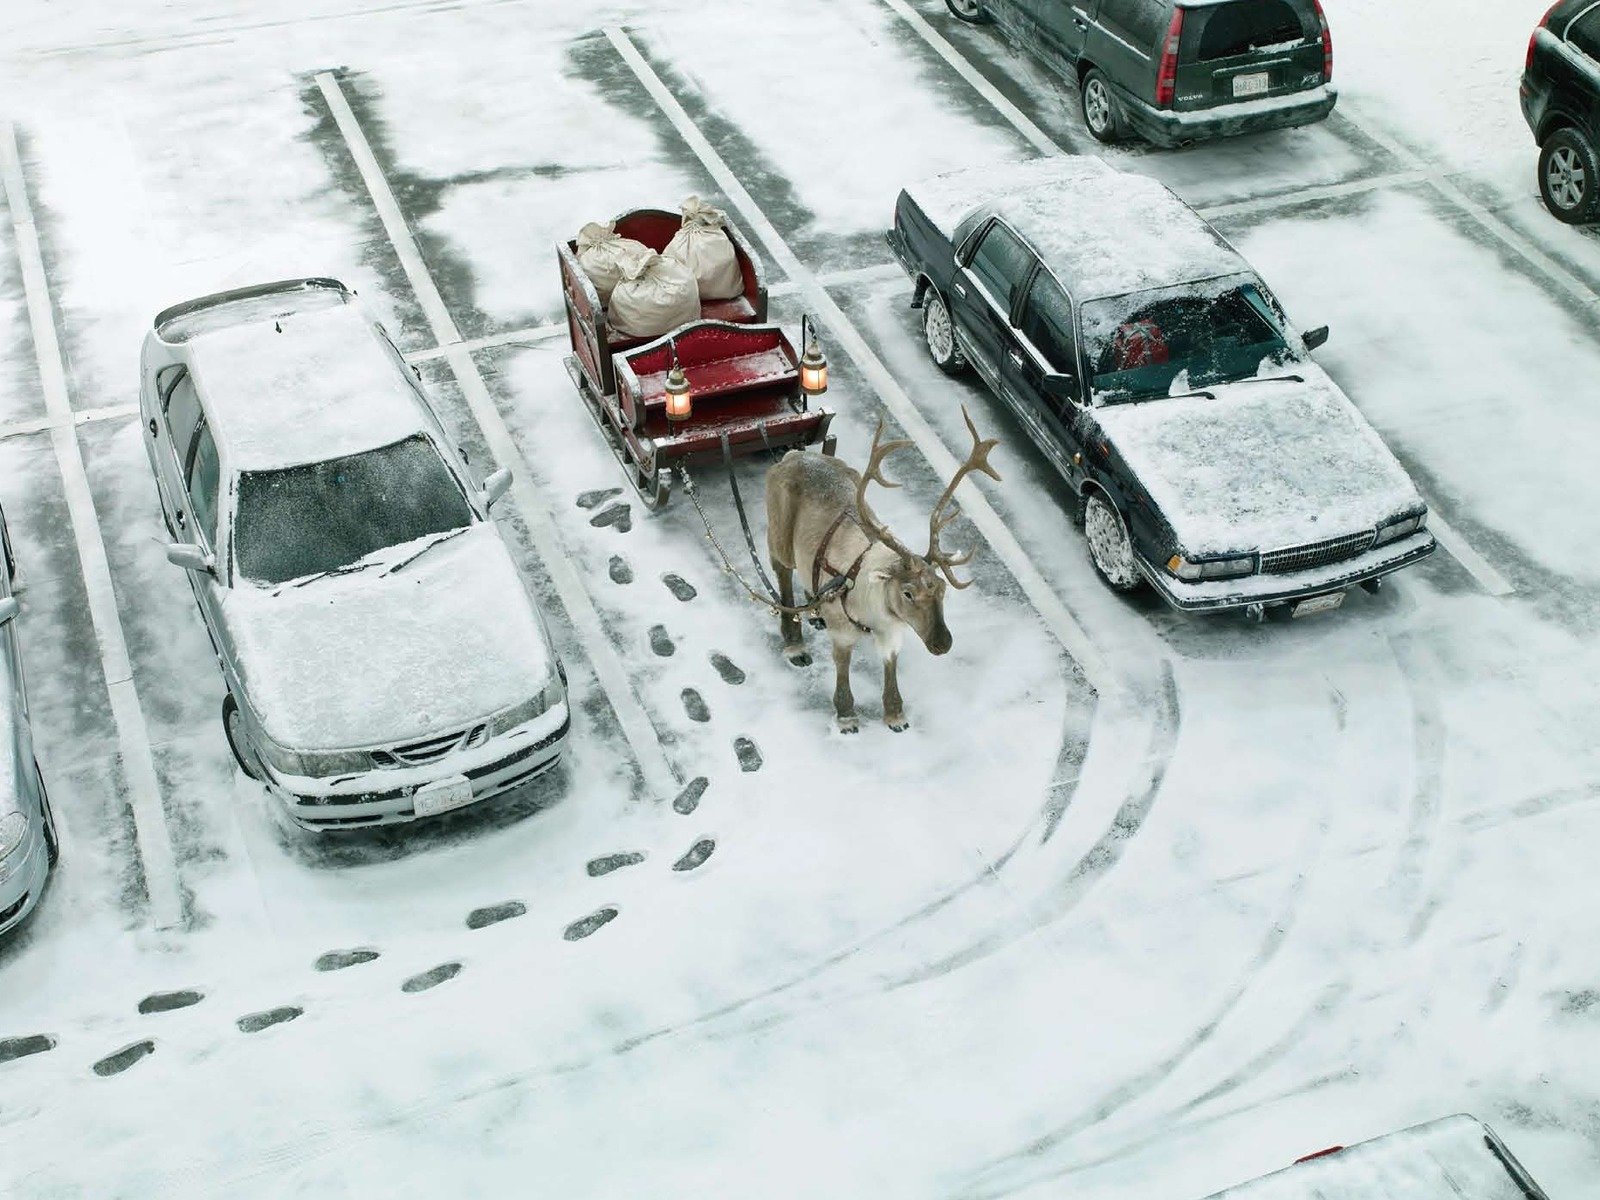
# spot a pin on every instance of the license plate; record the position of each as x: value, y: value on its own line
x: 1318, y: 604
x: 1256, y: 84
x: 443, y: 796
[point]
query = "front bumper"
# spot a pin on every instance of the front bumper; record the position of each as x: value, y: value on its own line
x: 386, y: 797
x: 1219, y: 594
x: 1168, y: 127
x: 24, y: 885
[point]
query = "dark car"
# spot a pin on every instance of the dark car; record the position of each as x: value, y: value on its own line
x: 1174, y: 71
x: 1207, y: 454
x: 1561, y: 101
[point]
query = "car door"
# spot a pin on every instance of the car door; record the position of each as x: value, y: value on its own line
x: 1124, y: 41
x: 1061, y: 27
x: 983, y: 294
x: 1042, y: 359
x: 174, y: 434
x: 202, y: 487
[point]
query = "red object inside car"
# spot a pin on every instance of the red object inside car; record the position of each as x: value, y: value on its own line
x: 1139, y: 344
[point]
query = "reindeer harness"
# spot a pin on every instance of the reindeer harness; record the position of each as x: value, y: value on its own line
x: 820, y: 563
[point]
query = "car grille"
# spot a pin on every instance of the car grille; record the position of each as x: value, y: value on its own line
x: 420, y: 754
x: 1316, y: 554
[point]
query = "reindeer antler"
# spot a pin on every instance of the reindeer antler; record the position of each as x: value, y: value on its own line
x: 873, y: 473
x: 977, y: 460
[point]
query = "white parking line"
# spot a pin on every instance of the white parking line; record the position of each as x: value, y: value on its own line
x: 659, y: 777
x: 531, y: 336
x: 111, y: 412
x: 1489, y: 579
x: 151, y: 834
x: 1312, y: 195
x: 977, y: 508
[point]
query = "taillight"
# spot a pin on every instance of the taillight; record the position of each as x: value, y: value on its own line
x: 1533, y: 38
x: 1327, y: 43
x: 1167, y: 75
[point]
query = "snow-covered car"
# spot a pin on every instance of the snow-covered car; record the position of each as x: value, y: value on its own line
x: 1209, y: 454
x: 29, y: 846
x: 382, y: 657
x: 1561, y: 103
x: 1457, y: 1158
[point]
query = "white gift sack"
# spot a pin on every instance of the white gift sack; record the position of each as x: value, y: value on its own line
x: 603, y: 252
x: 703, y: 245
x: 655, y: 296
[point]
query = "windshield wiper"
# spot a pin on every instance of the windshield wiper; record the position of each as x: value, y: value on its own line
x: 1189, y: 396
x: 407, y: 561
x: 361, y: 564
x: 1268, y: 379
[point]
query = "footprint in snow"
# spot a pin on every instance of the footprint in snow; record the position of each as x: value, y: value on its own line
x: 621, y: 572
x: 679, y: 587
x: 689, y: 799
x: 614, y: 862
x: 338, y: 960
x: 619, y: 515
x: 661, y: 641
x: 443, y: 973
x: 695, y: 706
x: 493, y: 914
x: 20, y: 1047
x: 749, y: 756
x: 597, y: 496
x: 256, y: 1022
x: 697, y: 854
x: 726, y: 668
x: 581, y: 929
x: 160, y: 1002
x: 116, y: 1064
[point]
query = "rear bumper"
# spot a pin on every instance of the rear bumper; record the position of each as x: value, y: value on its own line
x: 502, y: 765
x: 1221, y: 594
x: 22, y: 888
x: 1166, y: 127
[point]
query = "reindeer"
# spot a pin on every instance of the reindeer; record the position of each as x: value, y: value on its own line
x: 818, y: 519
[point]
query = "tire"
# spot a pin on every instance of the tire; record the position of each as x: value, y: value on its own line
x: 1569, y: 177
x: 1100, y: 108
x: 232, y: 726
x: 1110, y: 549
x: 971, y: 11
x: 939, y: 333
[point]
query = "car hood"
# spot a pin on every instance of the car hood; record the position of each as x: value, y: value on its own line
x: 1262, y: 466
x: 367, y: 659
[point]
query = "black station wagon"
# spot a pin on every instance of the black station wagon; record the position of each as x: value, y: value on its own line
x: 1174, y: 71
x: 1205, y: 452
x: 1561, y: 101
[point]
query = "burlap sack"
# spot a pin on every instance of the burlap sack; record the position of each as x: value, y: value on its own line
x: 655, y: 296
x: 703, y: 245
x: 603, y: 252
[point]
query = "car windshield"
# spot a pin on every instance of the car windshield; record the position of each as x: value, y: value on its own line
x: 316, y: 518
x: 1178, y: 340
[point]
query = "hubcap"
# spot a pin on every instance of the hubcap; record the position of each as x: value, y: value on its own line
x: 967, y: 8
x: 1566, y: 178
x: 936, y: 325
x: 1108, y: 542
x: 1096, y: 105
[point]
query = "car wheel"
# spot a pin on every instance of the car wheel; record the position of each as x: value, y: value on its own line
x: 970, y: 11
x: 1100, y: 109
x: 233, y: 726
x: 52, y: 838
x: 1109, y: 545
x: 1569, y: 175
x: 940, y: 334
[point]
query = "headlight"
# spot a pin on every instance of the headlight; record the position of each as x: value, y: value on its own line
x: 1396, y: 530
x: 312, y: 764
x: 13, y: 832
x: 553, y: 694
x: 1212, y: 568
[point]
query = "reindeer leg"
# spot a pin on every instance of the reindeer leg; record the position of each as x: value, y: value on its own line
x: 844, y: 704
x: 793, y: 639
x: 894, y: 710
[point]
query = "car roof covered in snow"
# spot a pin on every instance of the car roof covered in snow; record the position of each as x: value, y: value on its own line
x: 1102, y: 232
x: 1456, y: 1158
x: 302, y: 386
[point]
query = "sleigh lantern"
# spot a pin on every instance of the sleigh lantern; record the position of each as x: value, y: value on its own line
x: 724, y: 386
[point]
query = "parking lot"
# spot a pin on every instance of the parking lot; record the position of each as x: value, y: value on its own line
x: 1142, y: 905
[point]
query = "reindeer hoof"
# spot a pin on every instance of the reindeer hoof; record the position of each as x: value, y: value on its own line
x: 898, y: 724
x: 849, y: 725
x: 796, y: 656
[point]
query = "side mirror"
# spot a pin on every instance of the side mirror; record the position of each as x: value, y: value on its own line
x: 1061, y: 387
x: 190, y: 558
x: 9, y: 608
x: 497, y: 485
x: 1315, y: 337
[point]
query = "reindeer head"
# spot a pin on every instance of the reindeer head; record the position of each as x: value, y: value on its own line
x: 913, y: 589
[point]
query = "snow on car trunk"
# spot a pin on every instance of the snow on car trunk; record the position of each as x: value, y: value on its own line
x: 1260, y: 466
x: 370, y: 658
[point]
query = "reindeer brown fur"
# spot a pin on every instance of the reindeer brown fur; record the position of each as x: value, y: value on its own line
x: 819, y: 523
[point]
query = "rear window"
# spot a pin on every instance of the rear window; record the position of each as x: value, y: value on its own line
x: 1245, y: 26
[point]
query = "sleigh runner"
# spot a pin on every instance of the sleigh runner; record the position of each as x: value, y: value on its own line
x: 724, y: 386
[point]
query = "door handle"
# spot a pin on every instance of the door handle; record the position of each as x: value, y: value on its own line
x: 182, y: 520
x: 959, y: 290
x: 1016, y: 358
x: 152, y: 427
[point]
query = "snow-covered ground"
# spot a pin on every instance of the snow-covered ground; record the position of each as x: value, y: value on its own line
x: 1138, y: 914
